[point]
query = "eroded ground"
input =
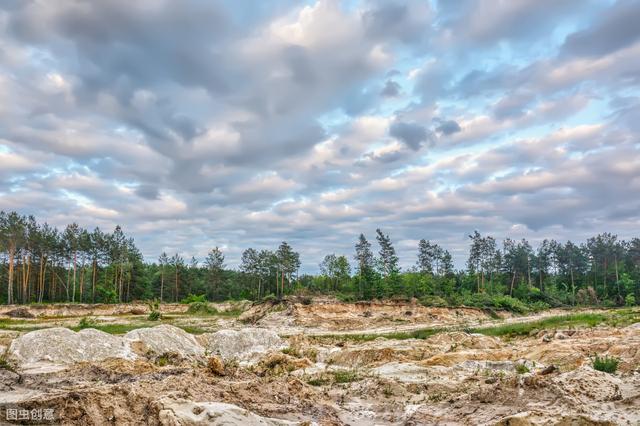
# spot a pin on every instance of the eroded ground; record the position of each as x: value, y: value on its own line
x: 319, y: 363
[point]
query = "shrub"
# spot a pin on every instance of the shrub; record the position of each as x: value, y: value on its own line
x: 87, y: 322
x: 345, y: 376
x: 606, y: 364
x: 587, y: 296
x: 192, y: 298
x: 201, y: 308
x: 436, y: 301
x: 522, y: 369
x: 154, y: 316
x: 346, y: 298
x: 270, y: 298
x: 630, y: 300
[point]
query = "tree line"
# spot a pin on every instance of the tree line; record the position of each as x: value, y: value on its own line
x: 40, y: 263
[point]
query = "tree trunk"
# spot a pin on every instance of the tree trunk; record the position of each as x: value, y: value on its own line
x: 605, y: 279
x: 93, y: 280
x: 75, y: 262
x: 513, y: 280
x: 161, y: 283
x: 175, y: 298
x: 10, y: 284
x: 573, y: 285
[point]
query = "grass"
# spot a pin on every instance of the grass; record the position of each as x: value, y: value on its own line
x: 525, y: 328
x: 5, y: 364
x: 346, y: 376
x: 617, y: 318
x: 522, y: 369
x: 337, y: 376
x: 606, y: 364
x: 400, y: 335
x: 204, y: 309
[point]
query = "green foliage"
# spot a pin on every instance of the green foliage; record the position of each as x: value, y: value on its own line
x: 436, y: 301
x: 270, y: 298
x: 87, y: 322
x: 154, y: 316
x: 606, y: 364
x: 630, y: 300
x: 522, y: 369
x: 345, y: 376
x: 201, y: 308
x: 523, y: 329
x: 192, y: 298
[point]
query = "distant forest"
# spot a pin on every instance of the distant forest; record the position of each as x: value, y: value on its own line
x: 42, y: 264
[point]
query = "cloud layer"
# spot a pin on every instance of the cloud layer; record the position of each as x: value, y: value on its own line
x: 204, y: 124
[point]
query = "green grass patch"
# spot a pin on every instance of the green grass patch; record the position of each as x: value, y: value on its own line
x: 524, y: 328
x: 606, y: 364
x: 522, y: 369
x: 192, y: 329
x: 346, y: 376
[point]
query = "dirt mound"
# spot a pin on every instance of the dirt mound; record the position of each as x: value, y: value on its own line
x: 166, y: 338
x: 585, y: 385
x: 277, y: 363
x: 247, y: 344
x: 63, y: 346
x: 174, y: 412
x: 19, y: 313
x: 78, y: 309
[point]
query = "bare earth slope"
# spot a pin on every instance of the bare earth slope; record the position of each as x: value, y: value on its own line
x: 322, y: 363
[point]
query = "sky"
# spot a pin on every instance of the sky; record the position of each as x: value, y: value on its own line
x: 196, y: 124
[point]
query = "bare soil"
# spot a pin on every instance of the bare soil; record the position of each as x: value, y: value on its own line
x: 328, y: 375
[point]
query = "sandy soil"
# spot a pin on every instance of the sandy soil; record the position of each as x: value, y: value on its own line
x: 325, y: 375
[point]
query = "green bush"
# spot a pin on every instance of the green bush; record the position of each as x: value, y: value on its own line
x: 192, y: 298
x: 607, y: 364
x: 201, y: 308
x: 346, y: 298
x: 270, y: 298
x: 436, y: 301
x: 87, y: 322
x: 154, y: 316
x: 630, y: 300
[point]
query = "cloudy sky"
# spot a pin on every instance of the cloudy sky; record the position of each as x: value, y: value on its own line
x: 202, y: 123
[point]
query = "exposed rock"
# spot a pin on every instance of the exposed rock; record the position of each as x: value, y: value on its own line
x: 247, y: 344
x: 165, y: 338
x: 585, y: 385
x: 63, y: 346
x: 215, y: 366
x: 182, y: 412
x: 547, y: 370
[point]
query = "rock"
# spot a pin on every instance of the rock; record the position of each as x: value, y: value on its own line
x: 8, y: 379
x: 215, y: 366
x: 560, y: 336
x: 585, y: 385
x: 547, y: 370
x: 62, y: 346
x: 163, y: 339
x: 247, y: 344
x: 174, y: 412
x: 547, y: 338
